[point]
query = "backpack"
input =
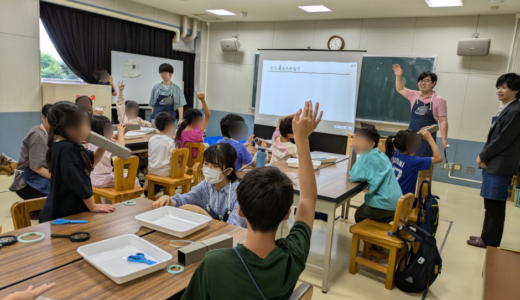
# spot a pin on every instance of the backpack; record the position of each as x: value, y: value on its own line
x: 421, y: 268
x: 431, y: 208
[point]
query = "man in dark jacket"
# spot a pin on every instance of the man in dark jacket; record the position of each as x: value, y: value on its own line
x: 499, y: 160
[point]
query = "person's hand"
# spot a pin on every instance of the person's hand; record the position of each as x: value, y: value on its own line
x: 97, y: 112
x: 195, y: 209
x: 30, y: 293
x: 445, y: 144
x: 480, y: 163
x: 201, y: 96
x: 426, y: 134
x: 103, y: 208
x: 250, y: 139
x: 163, y: 201
x: 304, y: 124
x: 397, y: 70
x: 121, y: 85
x: 263, y: 144
x: 121, y: 129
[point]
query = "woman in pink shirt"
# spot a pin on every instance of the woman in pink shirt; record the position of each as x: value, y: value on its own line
x: 193, y: 125
x: 427, y: 108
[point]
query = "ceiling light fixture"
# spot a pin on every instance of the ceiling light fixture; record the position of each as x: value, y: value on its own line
x: 443, y: 3
x: 314, y: 8
x: 220, y: 12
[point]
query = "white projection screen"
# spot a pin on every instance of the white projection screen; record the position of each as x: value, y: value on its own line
x: 288, y: 78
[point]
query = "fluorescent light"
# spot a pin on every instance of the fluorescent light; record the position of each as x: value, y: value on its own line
x: 220, y: 12
x: 443, y: 3
x: 314, y: 8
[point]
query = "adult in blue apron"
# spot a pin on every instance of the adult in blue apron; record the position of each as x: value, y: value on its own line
x: 167, y: 96
x: 163, y: 103
x: 422, y: 116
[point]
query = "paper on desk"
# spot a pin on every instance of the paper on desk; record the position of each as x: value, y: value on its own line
x: 131, y: 68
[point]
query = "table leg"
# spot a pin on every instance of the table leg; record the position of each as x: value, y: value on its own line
x: 347, y: 204
x: 328, y: 246
x: 343, y: 208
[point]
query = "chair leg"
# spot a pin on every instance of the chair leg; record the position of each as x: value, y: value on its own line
x: 171, y: 190
x: 186, y: 188
x: 353, y: 254
x: 392, y: 257
x: 366, y: 248
x: 97, y: 199
x: 151, y: 190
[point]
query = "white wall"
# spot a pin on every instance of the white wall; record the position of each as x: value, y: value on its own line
x: 467, y: 83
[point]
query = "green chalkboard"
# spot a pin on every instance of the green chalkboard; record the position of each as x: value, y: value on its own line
x: 378, y: 99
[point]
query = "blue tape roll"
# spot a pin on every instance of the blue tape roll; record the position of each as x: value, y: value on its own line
x: 42, y: 236
x: 129, y: 203
x: 181, y: 269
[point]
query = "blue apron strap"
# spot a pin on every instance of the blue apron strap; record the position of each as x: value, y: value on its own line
x: 251, y: 276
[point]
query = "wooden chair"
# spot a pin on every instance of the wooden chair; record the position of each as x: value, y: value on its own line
x: 373, y: 232
x: 124, y: 188
x: 414, y: 212
x: 512, y: 190
x: 350, y: 140
x: 200, y: 155
x: 198, y: 176
x: 177, y: 178
x: 302, y: 292
x: 21, y: 209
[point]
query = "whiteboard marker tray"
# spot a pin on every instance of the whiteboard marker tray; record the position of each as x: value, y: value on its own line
x: 324, y: 158
x: 110, y: 257
x: 293, y: 163
x: 173, y: 221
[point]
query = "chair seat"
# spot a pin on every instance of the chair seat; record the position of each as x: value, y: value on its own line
x: 377, y: 231
x: 168, y: 180
x: 117, y: 196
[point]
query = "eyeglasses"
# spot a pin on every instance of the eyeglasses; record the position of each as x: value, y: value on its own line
x: 425, y: 81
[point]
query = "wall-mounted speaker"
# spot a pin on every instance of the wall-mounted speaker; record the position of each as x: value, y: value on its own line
x: 473, y: 47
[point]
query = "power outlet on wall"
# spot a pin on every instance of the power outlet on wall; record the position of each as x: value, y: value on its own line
x: 470, y: 170
x: 444, y: 166
x: 457, y: 167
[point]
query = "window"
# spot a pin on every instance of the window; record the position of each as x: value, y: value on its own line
x: 52, y: 66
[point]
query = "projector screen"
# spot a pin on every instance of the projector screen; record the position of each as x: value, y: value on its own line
x: 288, y: 78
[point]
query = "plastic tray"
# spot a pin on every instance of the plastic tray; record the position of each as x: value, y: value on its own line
x: 110, y: 257
x: 324, y: 158
x: 173, y: 221
x: 293, y: 163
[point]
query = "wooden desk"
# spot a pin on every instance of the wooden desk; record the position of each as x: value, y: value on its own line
x: 292, y: 173
x: 23, y: 260
x: 501, y: 274
x: 80, y: 280
x: 140, y: 144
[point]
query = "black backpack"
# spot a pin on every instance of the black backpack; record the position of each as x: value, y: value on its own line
x: 431, y: 207
x: 421, y: 268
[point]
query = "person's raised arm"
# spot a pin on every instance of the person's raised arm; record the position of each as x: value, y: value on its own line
x: 426, y: 135
x: 114, y: 93
x: 283, y: 118
x: 121, y: 129
x: 205, y: 108
x: 120, y: 103
x: 98, y: 155
x: 399, y: 86
x: 303, y: 125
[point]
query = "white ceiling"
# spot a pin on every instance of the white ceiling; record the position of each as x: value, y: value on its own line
x: 284, y: 10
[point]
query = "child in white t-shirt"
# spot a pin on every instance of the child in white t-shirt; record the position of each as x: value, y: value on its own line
x: 161, y: 145
x: 282, y: 146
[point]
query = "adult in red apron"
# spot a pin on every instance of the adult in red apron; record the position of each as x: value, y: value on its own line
x: 427, y: 108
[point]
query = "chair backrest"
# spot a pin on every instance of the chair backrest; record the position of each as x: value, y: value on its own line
x: 21, y: 209
x: 200, y: 153
x: 198, y: 176
x: 402, y: 211
x: 179, y: 162
x: 120, y: 182
x: 302, y: 292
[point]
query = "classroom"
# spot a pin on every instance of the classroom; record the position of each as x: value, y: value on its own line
x: 182, y: 149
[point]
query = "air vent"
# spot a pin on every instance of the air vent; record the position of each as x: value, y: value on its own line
x: 207, y: 17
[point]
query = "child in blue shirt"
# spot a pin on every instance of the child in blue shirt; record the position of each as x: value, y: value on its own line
x: 230, y: 125
x: 374, y: 167
x: 401, y: 147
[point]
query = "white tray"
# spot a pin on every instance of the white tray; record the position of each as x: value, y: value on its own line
x: 324, y: 158
x: 293, y: 163
x: 174, y: 221
x: 110, y: 257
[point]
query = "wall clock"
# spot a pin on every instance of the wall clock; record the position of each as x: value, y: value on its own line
x: 336, y: 43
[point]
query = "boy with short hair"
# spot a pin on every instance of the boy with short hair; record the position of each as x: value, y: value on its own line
x: 161, y: 145
x: 374, y: 167
x: 228, y: 124
x: 282, y: 146
x: 265, y: 197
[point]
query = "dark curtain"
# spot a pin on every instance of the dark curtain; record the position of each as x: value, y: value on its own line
x: 84, y: 41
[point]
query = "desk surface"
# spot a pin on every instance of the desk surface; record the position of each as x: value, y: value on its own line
x: 24, y: 260
x: 80, y: 280
x: 139, y: 143
x: 501, y: 274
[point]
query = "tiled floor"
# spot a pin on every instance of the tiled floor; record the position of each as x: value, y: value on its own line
x: 461, y: 211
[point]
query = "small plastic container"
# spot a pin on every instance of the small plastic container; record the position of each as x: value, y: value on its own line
x: 110, y: 257
x: 293, y: 163
x: 324, y: 158
x: 261, y: 156
x: 516, y: 191
x: 173, y: 221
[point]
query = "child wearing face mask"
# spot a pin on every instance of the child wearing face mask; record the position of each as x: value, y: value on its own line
x: 400, y: 148
x: 127, y: 111
x: 70, y: 164
x: 216, y: 195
